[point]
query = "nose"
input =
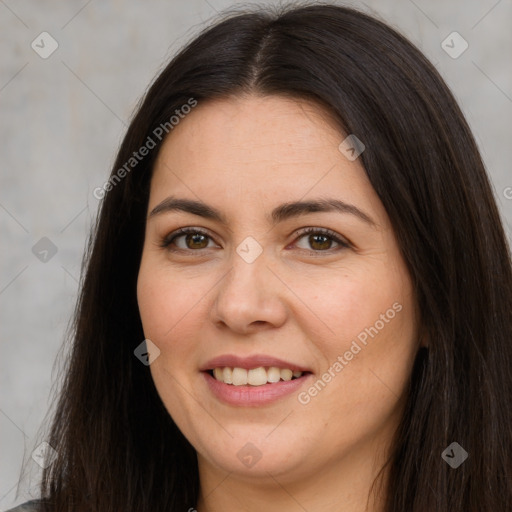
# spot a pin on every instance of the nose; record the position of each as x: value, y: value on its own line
x: 250, y: 297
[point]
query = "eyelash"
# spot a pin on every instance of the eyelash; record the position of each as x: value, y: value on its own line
x: 169, y: 239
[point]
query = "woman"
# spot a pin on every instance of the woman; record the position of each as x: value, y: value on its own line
x: 298, y: 294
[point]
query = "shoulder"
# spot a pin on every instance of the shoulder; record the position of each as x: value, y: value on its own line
x: 29, y: 506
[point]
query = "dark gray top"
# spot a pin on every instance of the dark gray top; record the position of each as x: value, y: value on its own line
x: 29, y: 506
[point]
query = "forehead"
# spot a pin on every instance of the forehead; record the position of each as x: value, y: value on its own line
x: 270, y: 147
x: 241, y: 127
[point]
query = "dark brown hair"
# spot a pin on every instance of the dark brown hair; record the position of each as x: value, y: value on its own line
x: 118, y: 448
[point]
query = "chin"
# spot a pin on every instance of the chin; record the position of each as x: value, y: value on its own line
x: 256, y: 453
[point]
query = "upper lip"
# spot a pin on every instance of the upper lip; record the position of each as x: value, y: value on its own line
x: 254, y: 361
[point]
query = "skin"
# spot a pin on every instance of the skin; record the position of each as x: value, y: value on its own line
x: 300, y: 300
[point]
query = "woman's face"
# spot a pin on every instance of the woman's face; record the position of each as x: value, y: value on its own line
x: 246, y: 289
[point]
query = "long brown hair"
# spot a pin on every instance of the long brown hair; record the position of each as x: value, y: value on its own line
x: 118, y: 448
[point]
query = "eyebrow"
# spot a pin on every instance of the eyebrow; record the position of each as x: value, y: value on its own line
x: 279, y: 214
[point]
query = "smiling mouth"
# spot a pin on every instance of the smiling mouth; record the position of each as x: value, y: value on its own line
x: 254, y: 377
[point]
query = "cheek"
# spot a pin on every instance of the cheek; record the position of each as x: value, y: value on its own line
x: 154, y: 307
x: 344, y: 305
x: 367, y: 318
x: 367, y: 359
x: 173, y: 310
x: 164, y: 298
x: 167, y: 316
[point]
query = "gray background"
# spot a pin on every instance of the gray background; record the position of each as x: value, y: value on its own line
x: 62, y: 119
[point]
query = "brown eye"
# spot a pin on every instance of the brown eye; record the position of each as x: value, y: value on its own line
x: 321, y: 240
x: 193, y: 239
x: 196, y: 241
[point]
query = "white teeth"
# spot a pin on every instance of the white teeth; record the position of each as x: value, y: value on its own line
x: 227, y: 373
x: 286, y: 374
x: 274, y: 374
x: 239, y: 376
x: 257, y: 377
x: 254, y: 377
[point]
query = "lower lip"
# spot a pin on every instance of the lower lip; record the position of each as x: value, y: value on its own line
x: 253, y: 396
